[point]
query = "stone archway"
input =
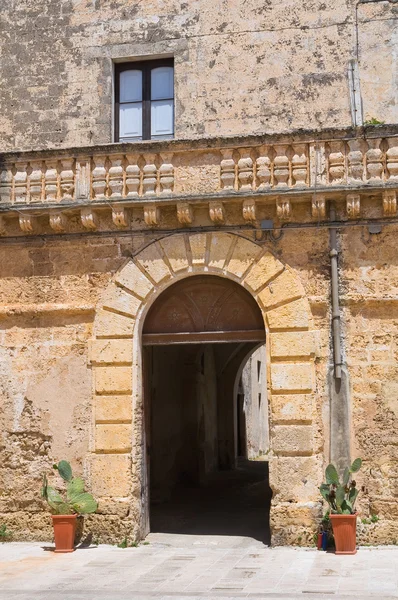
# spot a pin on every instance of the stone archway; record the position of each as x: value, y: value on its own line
x: 117, y: 460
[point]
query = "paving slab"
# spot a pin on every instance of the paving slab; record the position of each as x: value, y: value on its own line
x: 189, y: 567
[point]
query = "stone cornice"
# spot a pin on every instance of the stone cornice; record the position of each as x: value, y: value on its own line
x: 285, y: 169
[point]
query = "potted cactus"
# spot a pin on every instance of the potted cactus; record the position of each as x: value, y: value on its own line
x: 66, y: 509
x: 341, y: 498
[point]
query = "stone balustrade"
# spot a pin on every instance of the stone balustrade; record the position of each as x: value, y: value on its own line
x: 150, y: 175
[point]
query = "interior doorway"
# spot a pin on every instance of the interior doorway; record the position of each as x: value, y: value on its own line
x: 206, y: 411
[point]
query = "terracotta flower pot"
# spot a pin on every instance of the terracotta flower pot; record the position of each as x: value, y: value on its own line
x: 345, y: 533
x: 64, y: 532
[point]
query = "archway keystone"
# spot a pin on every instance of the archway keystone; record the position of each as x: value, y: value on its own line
x: 117, y: 459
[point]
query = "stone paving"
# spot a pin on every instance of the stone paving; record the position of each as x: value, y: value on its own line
x: 184, y: 567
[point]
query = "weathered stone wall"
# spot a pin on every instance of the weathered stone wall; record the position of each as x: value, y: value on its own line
x: 239, y: 68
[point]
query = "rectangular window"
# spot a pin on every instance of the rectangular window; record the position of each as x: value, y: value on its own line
x: 144, y: 102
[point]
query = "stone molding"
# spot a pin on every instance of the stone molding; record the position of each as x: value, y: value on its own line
x: 284, y: 171
x: 115, y: 353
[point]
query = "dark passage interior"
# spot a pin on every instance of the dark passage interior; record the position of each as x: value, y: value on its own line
x: 205, y: 439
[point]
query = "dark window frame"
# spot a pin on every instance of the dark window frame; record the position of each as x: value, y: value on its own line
x: 145, y: 67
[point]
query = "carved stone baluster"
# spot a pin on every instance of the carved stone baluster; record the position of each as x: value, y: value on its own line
x: 27, y: 223
x: 166, y: 174
x: 374, y: 160
x: 318, y: 206
x: 216, y: 211
x: 20, y: 183
x: 263, y: 169
x: 283, y: 208
x: 67, y: 179
x: 300, y: 165
x: 355, y: 162
x: 99, y: 184
x: 5, y: 185
x: 336, y: 162
x: 89, y: 218
x: 58, y: 222
x: 83, y: 179
x: 227, y: 170
x: 36, y: 181
x: 249, y: 209
x: 151, y: 215
x: 115, y: 182
x: 133, y: 176
x: 149, y: 180
x: 120, y: 216
x: 392, y: 159
x: 51, y: 181
x: 353, y: 203
x: 281, y: 167
x: 184, y: 213
x: 390, y: 203
x: 245, y: 170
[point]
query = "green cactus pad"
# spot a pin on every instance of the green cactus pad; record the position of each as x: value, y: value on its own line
x: 65, y: 470
x: 331, y: 475
x: 84, y: 504
x: 356, y: 465
x: 75, y: 488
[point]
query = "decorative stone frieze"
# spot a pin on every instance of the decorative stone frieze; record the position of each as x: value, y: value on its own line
x: 216, y: 212
x: 184, y: 213
x: 353, y: 205
x: 390, y: 203
x: 151, y: 215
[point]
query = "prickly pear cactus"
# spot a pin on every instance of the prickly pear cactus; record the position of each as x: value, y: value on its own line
x: 77, y: 501
x: 341, y: 497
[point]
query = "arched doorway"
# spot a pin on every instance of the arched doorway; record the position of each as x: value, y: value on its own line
x: 197, y: 338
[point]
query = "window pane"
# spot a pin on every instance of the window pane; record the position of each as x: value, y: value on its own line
x: 162, y: 118
x: 130, y: 121
x: 130, y: 86
x: 162, y: 83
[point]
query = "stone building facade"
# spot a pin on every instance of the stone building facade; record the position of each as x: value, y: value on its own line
x: 285, y: 128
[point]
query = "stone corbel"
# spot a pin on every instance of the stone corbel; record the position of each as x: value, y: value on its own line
x: 249, y: 209
x: 151, y: 214
x: 120, y: 216
x: 58, y: 221
x: 318, y: 206
x: 184, y: 213
x: 283, y: 208
x: 2, y: 226
x: 27, y: 223
x: 390, y: 203
x: 353, y: 205
x: 216, y: 211
x: 89, y: 218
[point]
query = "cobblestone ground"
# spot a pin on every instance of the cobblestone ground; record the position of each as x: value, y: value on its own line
x: 182, y: 567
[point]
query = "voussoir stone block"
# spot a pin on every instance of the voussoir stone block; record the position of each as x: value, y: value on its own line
x: 292, y: 439
x: 151, y: 260
x: 292, y: 376
x: 220, y: 245
x: 113, y: 380
x: 176, y: 252
x: 295, y: 478
x: 121, y: 301
x: 114, y: 437
x: 295, y: 315
x: 198, y: 248
x: 243, y: 255
x: 104, y: 351
x: 113, y: 408
x: 262, y: 271
x: 292, y: 407
x: 284, y: 288
x: 292, y: 343
x: 110, y: 324
x: 134, y: 280
x: 111, y: 475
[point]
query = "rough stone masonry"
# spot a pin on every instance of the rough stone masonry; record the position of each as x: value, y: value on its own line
x: 281, y: 111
